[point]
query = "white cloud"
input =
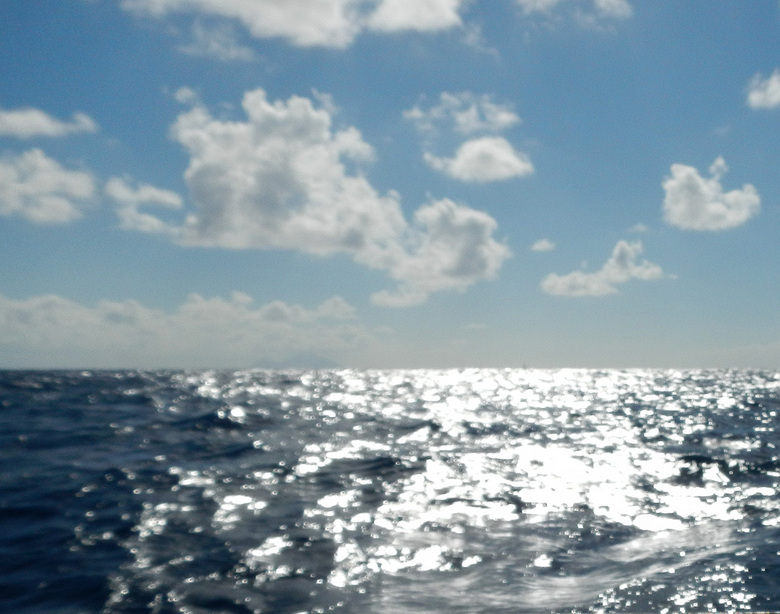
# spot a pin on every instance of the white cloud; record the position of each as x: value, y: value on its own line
x: 453, y: 249
x: 764, y: 93
x: 695, y: 203
x: 129, y: 200
x: 586, y: 9
x: 543, y: 245
x: 620, y: 268
x: 464, y: 112
x: 619, y: 9
x: 30, y: 123
x: 483, y: 159
x: 36, y: 187
x: 218, y: 42
x: 328, y: 23
x: 420, y: 15
x: 186, y: 95
x: 284, y: 179
x: 47, y: 331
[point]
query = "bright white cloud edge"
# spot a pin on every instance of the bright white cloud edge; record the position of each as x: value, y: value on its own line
x: 621, y: 267
x: 281, y: 180
x: 693, y: 202
x: 327, y: 23
x: 47, y: 331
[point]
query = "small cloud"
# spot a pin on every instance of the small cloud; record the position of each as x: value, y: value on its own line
x: 479, y: 159
x: 722, y: 130
x: 482, y: 160
x: 639, y: 228
x: 588, y: 12
x: 218, y: 42
x: 463, y: 112
x: 764, y: 93
x: 620, y: 268
x: 129, y: 199
x: 29, y: 123
x: 543, y: 245
x: 186, y: 95
x: 616, y: 9
x: 695, y: 203
x: 473, y: 37
x: 38, y: 188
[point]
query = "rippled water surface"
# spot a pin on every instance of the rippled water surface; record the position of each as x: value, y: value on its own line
x: 389, y: 491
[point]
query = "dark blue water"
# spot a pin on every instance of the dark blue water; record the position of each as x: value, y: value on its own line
x: 389, y: 491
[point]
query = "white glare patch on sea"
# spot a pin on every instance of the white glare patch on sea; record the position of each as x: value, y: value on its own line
x: 469, y: 490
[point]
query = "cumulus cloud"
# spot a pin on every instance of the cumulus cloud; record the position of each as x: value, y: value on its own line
x: 764, y: 93
x: 483, y: 159
x: 39, y: 189
x: 464, y: 112
x: 543, y: 245
x: 621, y: 267
x: 285, y: 179
x: 328, y: 23
x: 693, y: 202
x: 30, y: 123
x: 51, y: 331
x: 453, y: 249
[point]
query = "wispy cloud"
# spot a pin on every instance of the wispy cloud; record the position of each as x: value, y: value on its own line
x: 764, y: 93
x: 463, y: 112
x: 621, y: 267
x: 218, y: 42
x: 586, y: 11
x: 38, y: 188
x: 29, y: 123
x: 280, y: 180
x: 214, y: 332
x: 130, y: 199
x: 693, y: 202
x: 543, y: 245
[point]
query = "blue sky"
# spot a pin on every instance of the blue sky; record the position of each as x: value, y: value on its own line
x: 389, y: 183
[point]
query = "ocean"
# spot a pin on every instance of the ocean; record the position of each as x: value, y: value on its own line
x: 453, y: 491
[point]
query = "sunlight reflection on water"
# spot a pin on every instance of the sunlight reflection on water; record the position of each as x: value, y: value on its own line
x: 475, y: 490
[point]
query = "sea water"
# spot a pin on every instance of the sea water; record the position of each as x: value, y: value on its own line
x: 389, y: 491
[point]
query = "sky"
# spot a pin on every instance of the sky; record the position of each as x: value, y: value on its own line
x: 389, y: 183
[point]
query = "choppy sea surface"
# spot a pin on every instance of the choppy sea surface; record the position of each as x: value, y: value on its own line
x: 460, y: 491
